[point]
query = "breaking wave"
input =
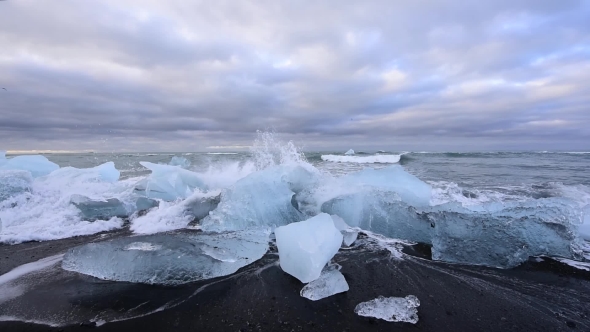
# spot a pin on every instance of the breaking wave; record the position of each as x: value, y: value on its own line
x: 375, y: 159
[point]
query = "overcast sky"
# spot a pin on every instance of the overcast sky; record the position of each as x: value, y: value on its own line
x: 143, y: 75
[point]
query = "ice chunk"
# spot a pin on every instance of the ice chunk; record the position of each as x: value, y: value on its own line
x: 168, y: 259
x: 330, y: 282
x: 377, y: 159
x: 381, y: 212
x: 584, y: 228
x: 391, y: 309
x: 200, y: 206
x: 37, y: 165
x: 349, y: 152
x: 263, y: 198
x: 102, y: 173
x: 410, y: 189
x: 179, y: 161
x: 13, y: 183
x: 349, y: 235
x: 106, y: 209
x: 169, y: 183
x: 505, y: 235
x: 305, y: 247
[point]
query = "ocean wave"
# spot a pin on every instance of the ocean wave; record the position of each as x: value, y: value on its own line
x: 222, y: 153
x: 375, y: 159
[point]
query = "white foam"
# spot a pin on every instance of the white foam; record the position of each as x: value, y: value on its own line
x: 577, y: 264
x: 29, y: 267
x: 377, y: 159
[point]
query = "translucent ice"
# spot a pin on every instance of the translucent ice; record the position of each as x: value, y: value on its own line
x: 168, y: 259
x: 102, y: 173
x: 584, y: 228
x: 13, y: 183
x: 168, y: 182
x: 263, y: 198
x: 505, y: 235
x: 349, y: 234
x: 381, y: 212
x: 37, y: 165
x: 330, y: 282
x: 391, y: 309
x: 112, y: 207
x: 179, y: 161
x: 305, y: 247
x: 199, y: 206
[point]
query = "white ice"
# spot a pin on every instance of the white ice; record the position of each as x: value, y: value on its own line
x: 306, y: 246
x: 102, y: 173
x: 330, y: 282
x: 376, y: 159
x: 349, y: 152
x: 169, y: 183
x: 348, y: 233
x: 36, y: 164
x: 391, y: 309
x: 14, y: 182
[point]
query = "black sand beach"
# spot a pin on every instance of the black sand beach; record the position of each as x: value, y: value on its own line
x: 537, y: 296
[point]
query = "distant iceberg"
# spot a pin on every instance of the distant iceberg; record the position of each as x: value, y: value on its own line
x: 349, y: 152
x: 376, y: 159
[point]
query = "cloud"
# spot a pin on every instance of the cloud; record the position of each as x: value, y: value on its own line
x: 187, y: 75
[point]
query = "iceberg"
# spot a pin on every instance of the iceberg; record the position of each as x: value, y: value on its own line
x: 349, y: 234
x: 179, y: 161
x: 349, y: 152
x: 168, y: 182
x: 102, y: 173
x: 261, y: 199
x: 306, y: 246
x: 376, y: 159
x: 36, y: 164
x: 13, y: 183
x: 106, y: 209
x: 168, y: 259
x: 381, y: 212
x: 505, y: 235
x: 391, y: 309
x: 330, y: 282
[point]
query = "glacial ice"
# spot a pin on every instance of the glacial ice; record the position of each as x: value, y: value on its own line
x: 106, y: 209
x: 36, y: 164
x: 504, y: 235
x: 179, y: 161
x: 102, y: 173
x: 391, y: 309
x: 584, y: 227
x: 168, y: 182
x: 349, y: 234
x: 376, y: 159
x: 381, y: 212
x: 168, y: 259
x: 199, y: 206
x: 330, y: 282
x: 349, y: 152
x: 263, y: 198
x: 306, y: 246
x: 14, y: 182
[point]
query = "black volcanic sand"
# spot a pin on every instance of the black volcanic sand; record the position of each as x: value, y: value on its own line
x: 537, y: 296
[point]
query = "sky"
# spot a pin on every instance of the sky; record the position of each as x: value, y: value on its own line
x: 152, y: 75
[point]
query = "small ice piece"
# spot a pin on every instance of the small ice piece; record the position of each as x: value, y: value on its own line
x: 391, y: 309
x: 36, y: 164
x: 349, y: 152
x: 14, y: 182
x: 349, y: 235
x: 330, y: 282
x: 168, y: 259
x: 306, y: 246
x: 168, y: 182
x: 179, y: 161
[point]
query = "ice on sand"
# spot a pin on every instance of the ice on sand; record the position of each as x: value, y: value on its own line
x: 391, y: 309
x: 37, y: 165
x: 168, y: 182
x: 106, y: 209
x: 306, y: 246
x: 330, y: 282
x: 14, y: 182
x: 168, y: 259
x: 349, y: 235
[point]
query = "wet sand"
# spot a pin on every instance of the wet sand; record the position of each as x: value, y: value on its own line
x: 537, y: 296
